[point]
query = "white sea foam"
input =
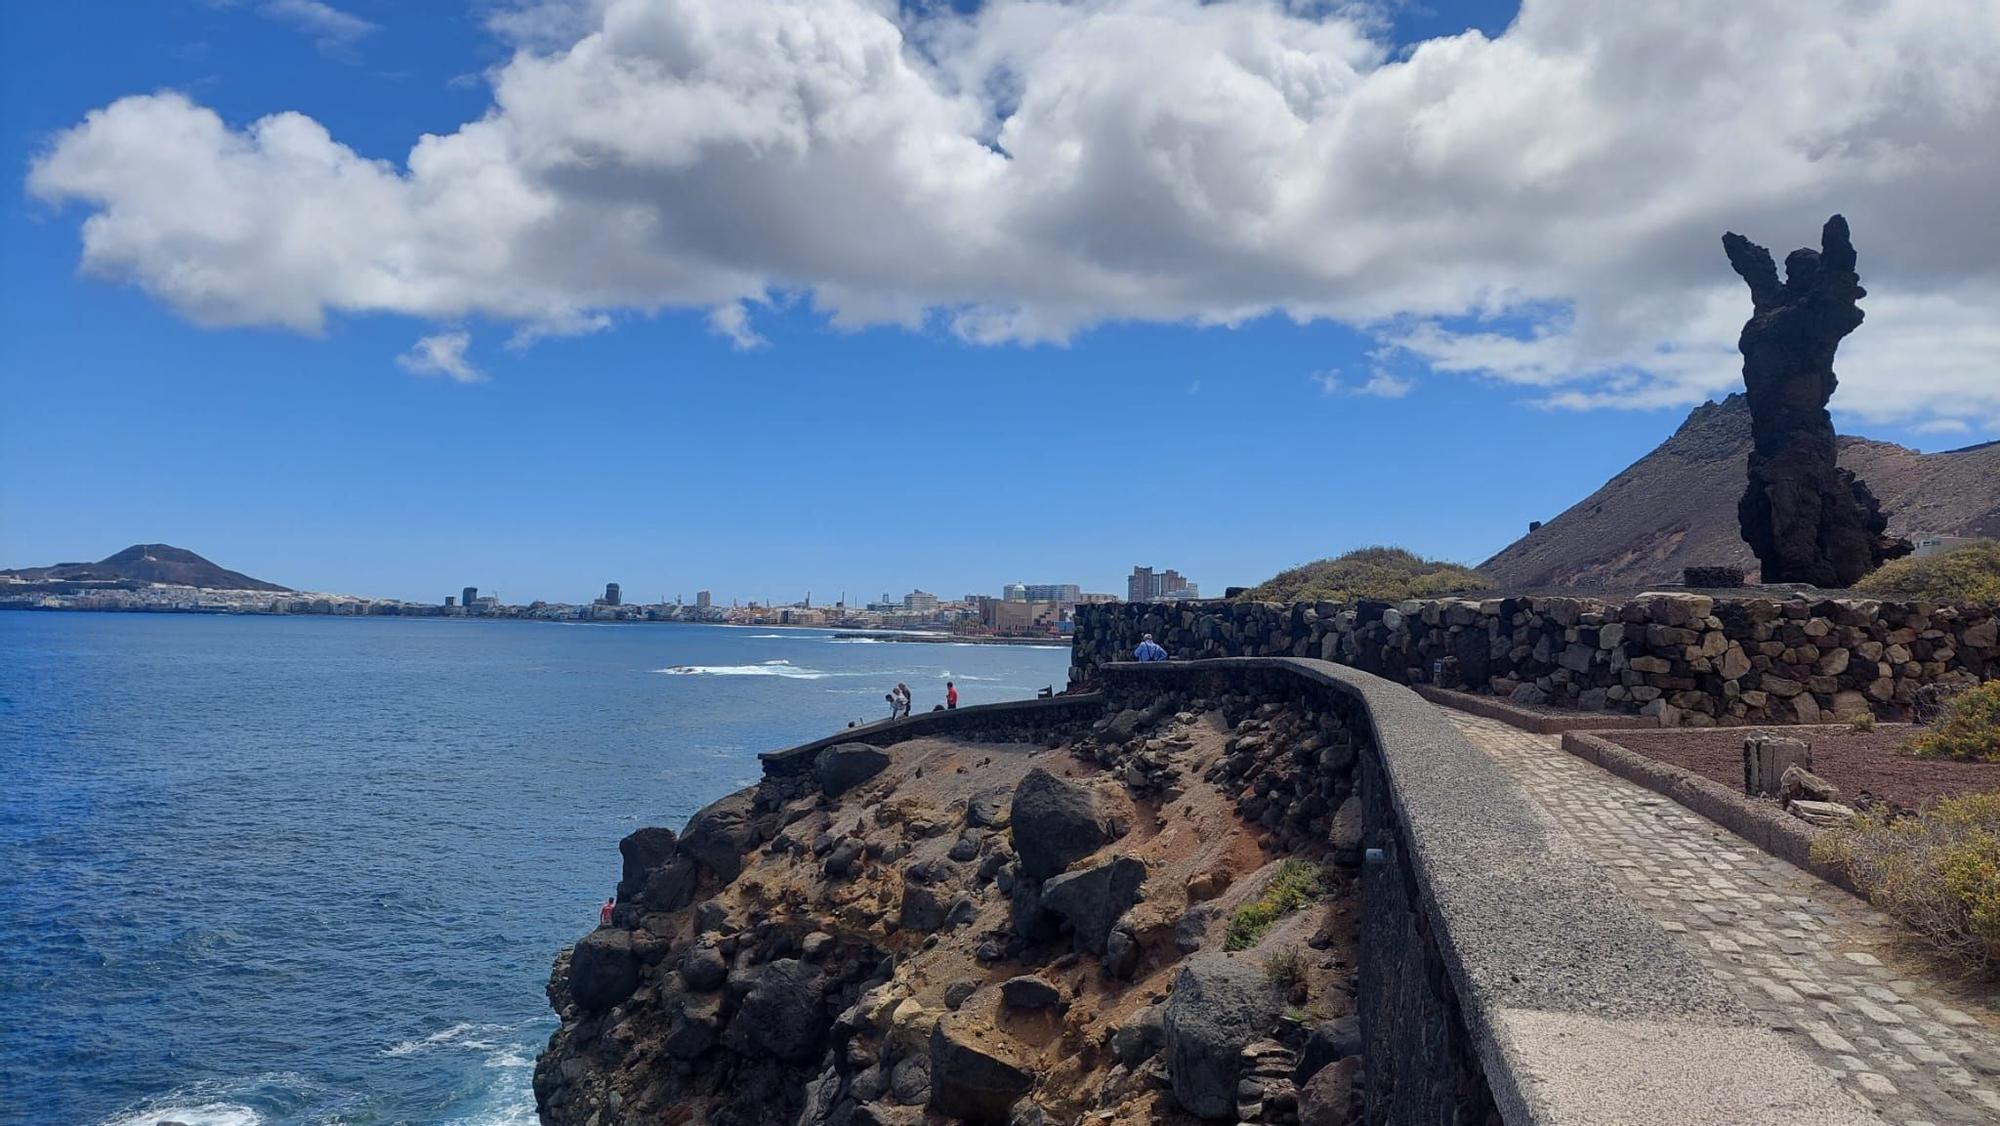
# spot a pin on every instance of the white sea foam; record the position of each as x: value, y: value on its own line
x: 228, y: 1103
x: 520, y: 1112
x: 769, y: 668
x: 464, y: 1034
x: 192, y: 1113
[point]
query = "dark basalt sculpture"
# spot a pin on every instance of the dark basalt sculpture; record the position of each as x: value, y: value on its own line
x: 1807, y: 519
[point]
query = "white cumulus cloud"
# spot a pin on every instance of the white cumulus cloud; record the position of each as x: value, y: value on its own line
x: 1541, y: 207
x: 443, y: 354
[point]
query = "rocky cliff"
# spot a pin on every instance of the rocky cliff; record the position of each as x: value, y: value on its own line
x: 1042, y: 925
x: 1676, y: 507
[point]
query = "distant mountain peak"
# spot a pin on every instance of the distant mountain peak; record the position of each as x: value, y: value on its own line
x: 1676, y: 507
x: 150, y: 563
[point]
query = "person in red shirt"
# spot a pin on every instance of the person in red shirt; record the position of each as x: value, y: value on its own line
x: 604, y: 913
x: 950, y: 694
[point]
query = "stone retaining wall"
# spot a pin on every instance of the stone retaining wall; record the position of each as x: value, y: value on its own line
x: 1502, y: 978
x: 1017, y: 720
x: 1681, y: 659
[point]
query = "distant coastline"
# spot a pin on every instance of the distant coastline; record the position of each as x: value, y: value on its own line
x: 838, y: 634
x: 940, y: 638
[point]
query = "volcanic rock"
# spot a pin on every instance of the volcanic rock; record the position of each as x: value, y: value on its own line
x: 1028, y: 992
x: 782, y: 1013
x: 844, y: 766
x: 1219, y: 1004
x: 1090, y: 901
x: 1806, y: 519
x: 972, y: 1083
x: 1054, y: 822
x: 642, y: 851
x: 717, y: 837
x: 603, y: 970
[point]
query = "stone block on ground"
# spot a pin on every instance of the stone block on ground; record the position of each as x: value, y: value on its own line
x: 1765, y: 759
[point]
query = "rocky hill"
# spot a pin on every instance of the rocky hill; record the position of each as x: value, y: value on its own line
x: 148, y: 563
x: 1146, y: 921
x: 1676, y: 507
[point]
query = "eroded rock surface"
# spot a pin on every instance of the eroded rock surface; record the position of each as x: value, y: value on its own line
x: 1055, y: 823
x: 1220, y: 1005
x: 947, y: 930
x: 1807, y: 519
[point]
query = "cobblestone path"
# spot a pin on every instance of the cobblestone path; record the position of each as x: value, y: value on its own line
x: 1803, y: 955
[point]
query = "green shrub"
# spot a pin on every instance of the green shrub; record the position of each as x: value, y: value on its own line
x: 1295, y: 884
x: 1938, y: 872
x: 1968, y: 728
x: 1388, y: 574
x: 1968, y: 574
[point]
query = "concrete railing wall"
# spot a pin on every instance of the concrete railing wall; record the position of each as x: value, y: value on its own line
x: 1687, y: 660
x: 1502, y: 975
x: 1025, y: 719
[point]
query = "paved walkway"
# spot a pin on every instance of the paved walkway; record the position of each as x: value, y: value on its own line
x: 1805, y: 956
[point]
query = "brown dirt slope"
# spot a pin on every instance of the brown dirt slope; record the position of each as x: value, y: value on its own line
x: 1676, y: 507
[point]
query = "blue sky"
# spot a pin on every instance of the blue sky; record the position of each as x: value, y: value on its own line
x: 659, y: 452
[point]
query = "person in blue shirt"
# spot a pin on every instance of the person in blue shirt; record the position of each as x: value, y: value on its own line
x: 1149, y: 650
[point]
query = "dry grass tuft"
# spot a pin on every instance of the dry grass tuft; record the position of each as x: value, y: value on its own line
x: 1939, y: 872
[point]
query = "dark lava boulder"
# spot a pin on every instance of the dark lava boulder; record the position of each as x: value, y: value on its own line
x: 1025, y: 915
x: 1330, y: 1098
x: 1140, y: 1038
x: 696, y: 1024
x: 969, y: 1082
x: 987, y: 810
x: 922, y: 910
x: 1054, y: 823
x: 782, y: 1015
x: 1028, y: 992
x: 1327, y: 1041
x: 844, y: 766
x: 718, y: 837
x: 1219, y: 1004
x: 670, y: 886
x: 1091, y: 901
x: 703, y: 968
x: 603, y: 970
x: 643, y: 851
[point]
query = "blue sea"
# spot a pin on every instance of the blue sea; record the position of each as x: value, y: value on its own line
x: 307, y: 870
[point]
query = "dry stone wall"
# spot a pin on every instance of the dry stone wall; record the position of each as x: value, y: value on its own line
x: 1688, y: 660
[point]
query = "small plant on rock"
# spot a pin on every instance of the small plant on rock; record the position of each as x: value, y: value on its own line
x: 1295, y: 884
x: 1861, y: 723
x: 1286, y: 969
x: 1968, y: 728
x: 1939, y: 871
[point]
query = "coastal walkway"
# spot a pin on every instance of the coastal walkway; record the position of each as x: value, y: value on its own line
x: 1808, y: 959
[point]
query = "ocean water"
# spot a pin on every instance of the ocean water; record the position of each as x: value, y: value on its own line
x: 306, y: 870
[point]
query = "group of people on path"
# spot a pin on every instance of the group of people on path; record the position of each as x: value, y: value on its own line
x: 899, y: 700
